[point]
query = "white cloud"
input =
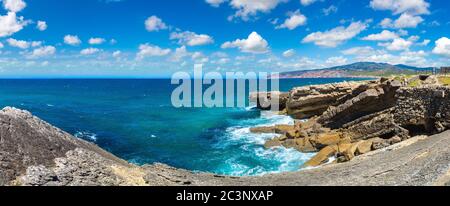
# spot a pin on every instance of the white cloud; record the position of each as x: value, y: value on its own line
x: 199, y: 58
x: 404, y: 21
x: 179, y: 54
x: 18, y: 43
x: 425, y: 42
x: 336, y: 36
x: 117, y: 54
x: 1, y: 45
x: 413, y: 7
x: 41, y: 25
x: 336, y: 61
x: 36, y: 43
x: 154, y: 23
x: 383, y: 36
x: 398, y: 44
x: 43, y: 52
x: 147, y: 50
x: 96, y: 41
x: 307, y: 2
x: 248, y: 8
x: 289, y: 53
x: 215, y: 3
x: 295, y: 20
x: 253, y: 44
x: 191, y: 38
x: 330, y: 10
x: 10, y: 24
x: 89, y: 51
x: 359, y: 51
x: 72, y: 40
x: 14, y: 5
x: 413, y: 58
x: 442, y: 47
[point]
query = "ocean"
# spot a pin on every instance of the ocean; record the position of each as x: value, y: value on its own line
x: 135, y: 120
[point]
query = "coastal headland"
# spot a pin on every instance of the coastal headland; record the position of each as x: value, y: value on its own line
x: 379, y: 132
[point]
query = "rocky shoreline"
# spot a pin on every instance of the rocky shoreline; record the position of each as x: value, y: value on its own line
x: 348, y: 119
x: 379, y: 133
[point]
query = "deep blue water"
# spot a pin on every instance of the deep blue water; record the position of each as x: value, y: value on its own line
x: 135, y: 120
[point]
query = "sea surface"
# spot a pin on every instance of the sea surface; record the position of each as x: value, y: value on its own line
x: 135, y: 120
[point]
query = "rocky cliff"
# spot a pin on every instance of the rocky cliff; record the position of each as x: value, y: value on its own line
x: 354, y: 118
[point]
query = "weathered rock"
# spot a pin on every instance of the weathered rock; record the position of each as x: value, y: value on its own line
x: 380, y: 124
x: 304, y: 145
x: 374, y: 98
x: 277, y: 129
x: 423, y: 109
x: 267, y: 100
x: 321, y: 157
x: 309, y: 101
x: 364, y: 147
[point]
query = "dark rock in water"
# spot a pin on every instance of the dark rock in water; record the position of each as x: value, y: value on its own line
x: 269, y: 100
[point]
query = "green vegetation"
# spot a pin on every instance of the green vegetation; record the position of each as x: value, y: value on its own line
x: 445, y: 80
x: 415, y: 83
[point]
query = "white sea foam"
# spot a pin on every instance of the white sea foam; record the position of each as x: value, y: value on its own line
x: 281, y: 159
x: 86, y: 135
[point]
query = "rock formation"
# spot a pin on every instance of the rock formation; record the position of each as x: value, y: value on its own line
x: 355, y: 118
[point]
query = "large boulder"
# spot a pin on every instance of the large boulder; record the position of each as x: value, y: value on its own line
x: 308, y: 101
x: 373, y: 97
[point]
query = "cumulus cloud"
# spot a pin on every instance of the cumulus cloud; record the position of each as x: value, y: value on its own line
x: 215, y: 3
x: 330, y: 10
x: 1, y: 45
x: 253, y: 44
x: 413, y: 58
x: 248, y: 8
x: 289, y: 53
x: 89, y: 51
x: 154, y: 23
x: 72, y: 40
x: 10, y: 24
x: 96, y: 40
x: 147, y: 50
x: 295, y: 20
x: 413, y: 7
x: 117, y: 54
x: 41, y: 25
x: 442, y: 47
x: 336, y: 36
x: 336, y: 61
x: 18, y: 43
x: 307, y: 2
x: 383, y: 36
x: 367, y: 50
x: 398, y: 44
x: 14, y: 5
x: 404, y: 21
x: 179, y: 54
x: 43, y: 52
x: 191, y: 38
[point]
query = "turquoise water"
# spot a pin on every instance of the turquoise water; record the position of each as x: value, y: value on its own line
x: 135, y: 120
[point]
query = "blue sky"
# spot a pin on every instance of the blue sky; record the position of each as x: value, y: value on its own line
x: 143, y: 38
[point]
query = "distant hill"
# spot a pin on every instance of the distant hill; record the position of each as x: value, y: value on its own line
x: 359, y: 69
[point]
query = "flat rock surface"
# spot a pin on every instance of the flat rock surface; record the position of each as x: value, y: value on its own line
x: 33, y: 152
